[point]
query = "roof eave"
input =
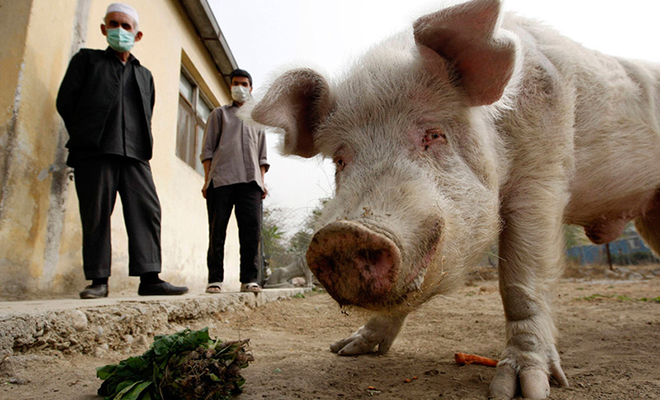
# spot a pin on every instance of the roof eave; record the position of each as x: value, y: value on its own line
x: 209, y: 31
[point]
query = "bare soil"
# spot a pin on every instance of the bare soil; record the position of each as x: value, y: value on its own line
x: 609, y: 341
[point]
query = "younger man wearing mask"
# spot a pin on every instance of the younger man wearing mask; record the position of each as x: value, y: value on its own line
x: 234, y: 159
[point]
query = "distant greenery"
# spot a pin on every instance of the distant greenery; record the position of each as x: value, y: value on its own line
x: 273, y: 238
x: 574, y: 236
x: 280, y: 248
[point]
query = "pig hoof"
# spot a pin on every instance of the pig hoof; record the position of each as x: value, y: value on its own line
x: 534, y: 384
x: 359, y: 344
x: 352, y: 346
x: 379, y: 331
x: 504, y: 384
x: 558, y: 374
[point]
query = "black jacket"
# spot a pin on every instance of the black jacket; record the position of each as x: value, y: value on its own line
x: 88, y: 91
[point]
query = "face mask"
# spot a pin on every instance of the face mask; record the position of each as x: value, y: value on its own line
x: 240, y: 94
x: 119, y: 39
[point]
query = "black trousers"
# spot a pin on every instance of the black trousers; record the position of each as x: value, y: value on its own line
x: 98, y: 180
x: 246, y: 199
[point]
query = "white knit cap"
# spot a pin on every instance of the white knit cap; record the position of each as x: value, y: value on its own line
x: 123, y: 8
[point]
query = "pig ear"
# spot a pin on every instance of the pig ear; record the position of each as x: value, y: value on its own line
x: 296, y: 102
x: 466, y: 35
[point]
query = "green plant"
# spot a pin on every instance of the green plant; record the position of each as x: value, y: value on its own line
x: 655, y: 299
x: 622, y: 297
x: 186, y: 365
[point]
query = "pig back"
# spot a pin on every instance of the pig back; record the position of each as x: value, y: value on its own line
x: 606, y: 133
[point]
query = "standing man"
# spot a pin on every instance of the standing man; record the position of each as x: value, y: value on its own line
x: 234, y: 159
x: 106, y: 101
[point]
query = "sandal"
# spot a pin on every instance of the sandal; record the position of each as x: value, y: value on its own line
x: 214, y: 288
x: 250, y: 287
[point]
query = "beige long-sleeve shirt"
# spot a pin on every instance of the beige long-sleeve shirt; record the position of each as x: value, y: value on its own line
x: 237, y: 150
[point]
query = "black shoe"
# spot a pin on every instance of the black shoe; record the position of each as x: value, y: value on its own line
x: 94, y: 292
x: 161, y: 289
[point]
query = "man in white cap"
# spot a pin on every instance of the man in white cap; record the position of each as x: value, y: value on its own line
x: 106, y: 101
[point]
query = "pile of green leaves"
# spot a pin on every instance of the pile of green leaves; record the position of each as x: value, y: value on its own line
x: 187, y: 365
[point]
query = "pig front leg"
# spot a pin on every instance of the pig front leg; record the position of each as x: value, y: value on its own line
x: 531, y: 249
x: 380, y: 330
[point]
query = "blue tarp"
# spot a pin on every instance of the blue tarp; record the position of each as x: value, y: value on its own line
x: 619, y: 249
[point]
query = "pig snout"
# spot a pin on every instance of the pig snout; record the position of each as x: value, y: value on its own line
x: 355, y: 264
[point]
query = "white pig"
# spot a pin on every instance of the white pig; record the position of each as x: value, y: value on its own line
x: 473, y: 126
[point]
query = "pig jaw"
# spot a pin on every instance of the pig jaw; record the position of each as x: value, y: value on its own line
x: 360, y: 264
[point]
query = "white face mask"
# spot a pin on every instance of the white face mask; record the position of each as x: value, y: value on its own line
x: 240, y: 94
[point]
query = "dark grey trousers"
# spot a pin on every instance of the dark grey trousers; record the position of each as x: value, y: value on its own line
x: 98, y: 180
x: 246, y: 199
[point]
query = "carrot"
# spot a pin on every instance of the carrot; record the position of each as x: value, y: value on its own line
x: 463, y: 358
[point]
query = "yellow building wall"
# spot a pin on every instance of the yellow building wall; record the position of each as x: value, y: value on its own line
x: 14, y: 17
x: 41, y: 54
x: 27, y: 266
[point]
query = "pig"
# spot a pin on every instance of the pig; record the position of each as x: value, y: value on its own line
x: 473, y: 126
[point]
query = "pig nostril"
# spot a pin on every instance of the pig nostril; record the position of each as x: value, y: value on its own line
x: 355, y: 264
x: 374, y: 264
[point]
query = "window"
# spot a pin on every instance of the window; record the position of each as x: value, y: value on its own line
x: 194, y: 110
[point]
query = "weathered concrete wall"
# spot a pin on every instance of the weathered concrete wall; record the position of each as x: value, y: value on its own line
x: 14, y: 17
x: 31, y: 139
x: 40, y: 234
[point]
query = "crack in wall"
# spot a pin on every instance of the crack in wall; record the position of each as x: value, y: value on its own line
x: 11, y: 143
x: 59, y: 169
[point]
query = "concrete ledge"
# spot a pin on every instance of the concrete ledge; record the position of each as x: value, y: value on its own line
x: 92, y: 326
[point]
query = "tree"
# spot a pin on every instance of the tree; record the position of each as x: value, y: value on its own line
x: 280, y: 250
x: 573, y: 236
x: 273, y: 238
x: 300, y: 240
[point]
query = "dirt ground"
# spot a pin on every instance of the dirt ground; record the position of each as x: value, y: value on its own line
x: 609, y: 341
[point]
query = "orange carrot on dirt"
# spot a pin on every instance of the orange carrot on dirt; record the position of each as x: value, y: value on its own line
x: 464, y: 358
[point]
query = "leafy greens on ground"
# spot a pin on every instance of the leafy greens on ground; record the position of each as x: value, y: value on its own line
x: 187, y: 365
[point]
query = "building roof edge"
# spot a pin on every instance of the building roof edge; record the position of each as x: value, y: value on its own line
x: 202, y: 17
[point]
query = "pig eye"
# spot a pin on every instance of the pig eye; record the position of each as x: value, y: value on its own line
x: 433, y: 136
x: 340, y: 163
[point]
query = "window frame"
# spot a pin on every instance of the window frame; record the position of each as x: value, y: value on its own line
x: 193, y: 137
